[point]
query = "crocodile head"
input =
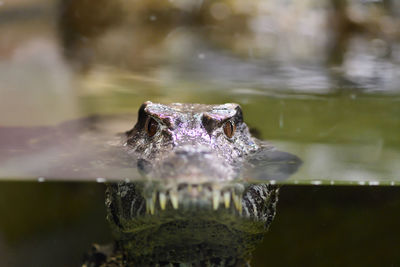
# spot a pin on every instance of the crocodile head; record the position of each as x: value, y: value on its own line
x: 195, y: 207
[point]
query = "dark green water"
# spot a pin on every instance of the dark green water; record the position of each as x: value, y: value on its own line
x: 52, y: 224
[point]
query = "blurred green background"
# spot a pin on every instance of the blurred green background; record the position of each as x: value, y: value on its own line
x: 320, y: 79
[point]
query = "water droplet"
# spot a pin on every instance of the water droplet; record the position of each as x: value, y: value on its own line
x: 220, y: 11
x: 373, y: 183
x: 316, y: 182
x: 361, y: 182
x: 100, y: 180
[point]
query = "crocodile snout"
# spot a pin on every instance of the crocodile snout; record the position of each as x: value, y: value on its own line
x: 187, y: 165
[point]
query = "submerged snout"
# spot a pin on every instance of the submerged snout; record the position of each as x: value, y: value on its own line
x: 189, y: 164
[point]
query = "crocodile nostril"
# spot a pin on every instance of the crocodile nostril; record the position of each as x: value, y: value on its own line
x: 182, y: 152
x: 190, y: 153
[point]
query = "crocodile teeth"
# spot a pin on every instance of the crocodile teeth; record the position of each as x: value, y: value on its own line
x: 153, y: 202
x: 227, y: 199
x: 147, y: 206
x: 216, y: 197
x: 163, y: 200
x: 237, y: 201
x: 174, y: 199
x: 150, y: 205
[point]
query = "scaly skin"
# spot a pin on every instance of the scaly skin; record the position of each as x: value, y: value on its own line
x: 195, y: 209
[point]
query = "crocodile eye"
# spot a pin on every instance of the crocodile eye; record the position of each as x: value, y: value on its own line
x: 229, y: 129
x: 151, y: 126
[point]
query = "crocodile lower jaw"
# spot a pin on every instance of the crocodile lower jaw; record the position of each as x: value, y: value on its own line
x: 194, y: 197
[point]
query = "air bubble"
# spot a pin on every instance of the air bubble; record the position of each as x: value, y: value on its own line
x: 100, y: 180
x: 316, y: 182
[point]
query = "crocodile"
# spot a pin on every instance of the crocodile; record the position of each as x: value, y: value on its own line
x: 198, y: 204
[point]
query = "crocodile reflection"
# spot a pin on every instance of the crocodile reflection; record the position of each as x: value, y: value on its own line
x: 198, y: 208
